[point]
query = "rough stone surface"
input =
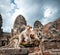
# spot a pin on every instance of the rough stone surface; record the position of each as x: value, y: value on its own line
x: 20, y: 20
x: 48, y: 46
x: 1, y: 26
x: 38, y: 24
x: 19, y: 25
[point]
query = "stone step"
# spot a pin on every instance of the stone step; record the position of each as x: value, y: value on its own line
x: 10, y: 51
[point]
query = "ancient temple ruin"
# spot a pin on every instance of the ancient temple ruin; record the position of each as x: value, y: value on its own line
x: 4, y: 36
x: 1, y: 31
x: 19, y: 25
x: 37, y: 24
x: 49, y: 37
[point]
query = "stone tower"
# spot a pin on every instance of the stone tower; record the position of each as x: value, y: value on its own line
x: 0, y: 26
x: 19, y: 25
x: 37, y: 24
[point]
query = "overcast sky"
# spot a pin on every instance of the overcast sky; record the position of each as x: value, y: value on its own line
x: 43, y: 10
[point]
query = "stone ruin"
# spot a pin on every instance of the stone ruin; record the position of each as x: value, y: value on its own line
x: 1, y: 31
x: 19, y: 25
x: 37, y: 24
x: 49, y: 44
x: 4, y: 36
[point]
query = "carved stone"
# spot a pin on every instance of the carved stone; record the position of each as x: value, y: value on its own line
x: 37, y: 24
x: 1, y: 26
x: 19, y: 25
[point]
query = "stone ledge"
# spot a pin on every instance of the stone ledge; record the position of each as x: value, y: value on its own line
x: 10, y: 51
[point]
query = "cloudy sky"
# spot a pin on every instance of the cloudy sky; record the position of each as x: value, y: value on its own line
x: 43, y: 10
